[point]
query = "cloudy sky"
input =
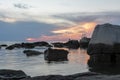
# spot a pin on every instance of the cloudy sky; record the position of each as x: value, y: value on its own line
x: 58, y: 20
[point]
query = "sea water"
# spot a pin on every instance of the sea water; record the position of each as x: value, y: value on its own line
x: 36, y: 65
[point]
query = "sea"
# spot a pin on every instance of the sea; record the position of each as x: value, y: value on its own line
x: 36, y: 65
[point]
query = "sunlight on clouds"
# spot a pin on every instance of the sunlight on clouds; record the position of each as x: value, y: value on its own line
x: 74, y: 32
x: 10, y: 20
x: 78, y: 29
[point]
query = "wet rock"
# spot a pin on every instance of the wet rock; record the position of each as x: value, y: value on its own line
x: 32, y: 52
x: 6, y: 74
x: 55, y: 54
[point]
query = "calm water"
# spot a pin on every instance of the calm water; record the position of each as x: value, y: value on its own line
x: 36, y: 65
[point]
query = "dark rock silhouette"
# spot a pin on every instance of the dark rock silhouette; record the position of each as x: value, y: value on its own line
x: 104, y: 46
x: 28, y: 45
x: 84, y: 42
x: 58, y: 44
x: 3, y: 45
x: 6, y: 74
x: 73, y: 44
x: 61, y: 77
x: 55, y: 55
x: 32, y: 52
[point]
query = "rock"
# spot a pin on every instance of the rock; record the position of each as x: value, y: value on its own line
x: 49, y: 77
x: 10, y: 47
x: 32, y: 52
x: 61, y: 77
x: 73, y: 44
x: 13, y: 46
x: 42, y: 43
x: 104, y: 46
x: 55, y: 54
x: 6, y: 74
x: 3, y: 45
x: 105, y: 38
x: 28, y: 45
x: 84, y: 42
x: 58, y: 44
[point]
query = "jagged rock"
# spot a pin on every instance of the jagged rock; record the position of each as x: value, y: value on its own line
x: 32, y: 52
x: 6, y: 74
x: 55, y: 55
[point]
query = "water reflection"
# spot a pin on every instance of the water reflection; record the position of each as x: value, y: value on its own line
x: 36, y: 65
x: 105, y: 67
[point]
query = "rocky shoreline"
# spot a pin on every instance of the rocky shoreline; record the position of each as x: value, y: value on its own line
x: 6, y: 74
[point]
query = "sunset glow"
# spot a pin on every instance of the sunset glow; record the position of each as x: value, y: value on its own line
x: 73, y: 32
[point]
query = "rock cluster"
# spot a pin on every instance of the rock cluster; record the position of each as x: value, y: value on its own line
x: 28, y: 45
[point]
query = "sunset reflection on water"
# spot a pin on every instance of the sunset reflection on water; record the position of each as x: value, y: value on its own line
x: 78, y: 56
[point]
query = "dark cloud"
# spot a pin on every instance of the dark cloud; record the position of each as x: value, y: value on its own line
x: 22, y: 6
x: 99, y: 17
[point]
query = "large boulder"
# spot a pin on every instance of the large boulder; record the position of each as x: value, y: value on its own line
x: 55, y: 55
x: 32, y: 52
x: 106, y: 39
x: 6, y: 74
x: 104, y: 46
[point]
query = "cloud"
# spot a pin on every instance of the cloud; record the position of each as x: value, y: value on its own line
x: 99, y: 17
x: 22, y: 6
x: 56, y: 27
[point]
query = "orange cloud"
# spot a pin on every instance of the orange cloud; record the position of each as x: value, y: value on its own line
x: 74, y: 32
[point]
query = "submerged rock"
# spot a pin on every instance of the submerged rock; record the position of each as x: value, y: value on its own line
x: 32, y: 52
x: 6, y: 74
x: 55, y: 54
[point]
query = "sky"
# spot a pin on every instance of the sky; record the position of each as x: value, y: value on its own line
x: 54, y: 20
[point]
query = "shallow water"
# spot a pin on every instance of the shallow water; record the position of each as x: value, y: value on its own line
x: 36, y: 65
